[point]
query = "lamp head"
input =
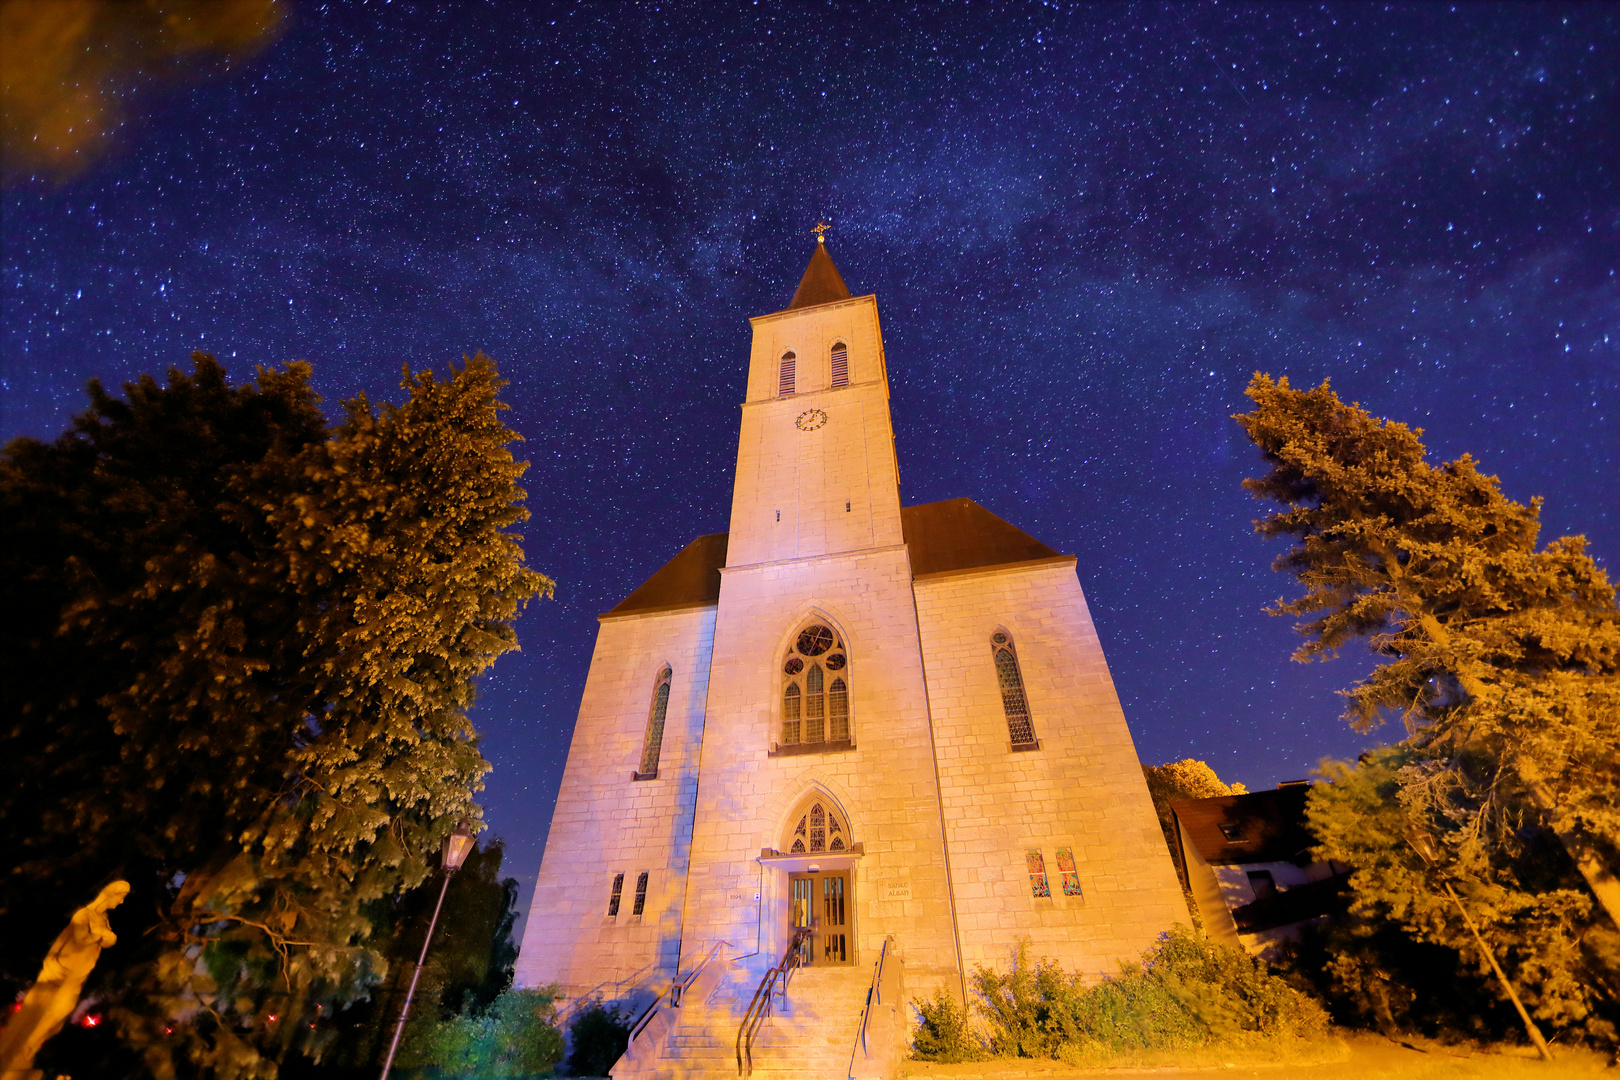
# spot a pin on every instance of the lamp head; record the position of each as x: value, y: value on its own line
x: 456, y: 847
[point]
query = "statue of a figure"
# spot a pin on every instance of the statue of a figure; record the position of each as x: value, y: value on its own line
x: 55, y: 994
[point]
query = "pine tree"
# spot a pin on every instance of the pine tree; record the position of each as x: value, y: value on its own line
x: 237, y: 675
x: 1501, y: 659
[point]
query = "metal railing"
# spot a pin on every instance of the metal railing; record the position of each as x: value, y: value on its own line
x: 759, y: 1009
x: 672, y: 995
x: 874, y: 993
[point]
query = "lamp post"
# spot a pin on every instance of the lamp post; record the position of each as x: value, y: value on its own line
x: 456, y: 847
x: 1422, y: 843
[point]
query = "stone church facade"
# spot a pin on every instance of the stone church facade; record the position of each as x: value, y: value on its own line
x: 870, y: 719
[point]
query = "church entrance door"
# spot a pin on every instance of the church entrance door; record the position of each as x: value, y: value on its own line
x: 821, y: 901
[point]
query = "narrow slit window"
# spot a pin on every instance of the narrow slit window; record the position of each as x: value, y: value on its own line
x: 652, y: 746
x: 1037, y: 874
x: 1071, y: 879
x: 792, y: 704
x: 1013, y: 700
x: 815, y: 705
x: 787, y: 376
x: 838, y: 710
x: 840, y: 364
x: 613, y: 897
x: 641, y: 894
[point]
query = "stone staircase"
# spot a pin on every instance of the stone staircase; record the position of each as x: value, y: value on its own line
x: 809, y: 1037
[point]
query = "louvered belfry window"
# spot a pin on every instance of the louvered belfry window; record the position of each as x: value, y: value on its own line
x: 787, y: 378
x: 840, y: 364
x: 812, y: 711
x: 653, y: 744
x: 1013, y: 700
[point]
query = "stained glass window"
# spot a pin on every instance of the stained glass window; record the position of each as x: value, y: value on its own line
x: 792, y: 699
x: 813, y: 712
x: 1037, y: 874
x: 834, y: 831
x: 818, y: 828
x: 787, y: 379
x: 1071, y: 880
x: 1013, y: 700
x: 613, y: 897
x: 654, y: 742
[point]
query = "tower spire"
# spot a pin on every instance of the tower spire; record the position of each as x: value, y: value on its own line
x: 821, y: 283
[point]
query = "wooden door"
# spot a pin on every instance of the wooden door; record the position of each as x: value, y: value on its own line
x: 822, y: 902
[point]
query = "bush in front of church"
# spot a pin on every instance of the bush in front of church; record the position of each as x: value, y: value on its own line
x: 515, y: 1035
x: 943, y: 1033
x: 598, y: 1036
x: 1186, y: 992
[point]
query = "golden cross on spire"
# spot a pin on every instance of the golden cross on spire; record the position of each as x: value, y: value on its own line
x: 818, y: 230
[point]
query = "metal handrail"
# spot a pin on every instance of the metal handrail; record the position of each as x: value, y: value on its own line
x: 874, y: 993
x: 677, y: 987
x: 759, y: 1009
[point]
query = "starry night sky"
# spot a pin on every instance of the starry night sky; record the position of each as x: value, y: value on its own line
x: 1085, y: 226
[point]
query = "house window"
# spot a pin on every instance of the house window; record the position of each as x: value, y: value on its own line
x: 1037, y: 874
x: 654, y: 742
x: 613, y: 897
x: 1071, y: 880
x: 818, y: 830
x: 1013, y: 701
x: 812, y: 712
x: 1231, y: 830
x: 840, y: 364
x: 641, y: 894
x: 787, y: 375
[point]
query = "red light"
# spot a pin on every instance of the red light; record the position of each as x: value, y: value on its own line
x: 272, y: 1018
x: 90, y: 1020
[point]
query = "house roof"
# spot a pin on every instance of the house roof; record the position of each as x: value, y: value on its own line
x: 1265, y: 826
x: 821, y: 283
x: 953, y: 536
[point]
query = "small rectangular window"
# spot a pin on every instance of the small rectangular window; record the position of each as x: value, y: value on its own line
x: 1263, y: 884
x: 840, y: 366
x: 641, y: 894
x: 1037, y: 874
x: 613, y: 898
x: 1071, y: 880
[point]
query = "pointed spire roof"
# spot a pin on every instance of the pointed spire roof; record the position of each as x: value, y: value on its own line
x: 821, y: 283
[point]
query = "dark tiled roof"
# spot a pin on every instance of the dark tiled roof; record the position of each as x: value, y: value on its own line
x: 690, y: 579
x: 1265, y: 826
x: 945, y: 537
x: 959, y: 534
x: 821, y: 283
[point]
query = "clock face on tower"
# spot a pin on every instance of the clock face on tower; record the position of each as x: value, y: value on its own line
x: 810, y: 420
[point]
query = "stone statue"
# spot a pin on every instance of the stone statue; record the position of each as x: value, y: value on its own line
x: 55, y: 994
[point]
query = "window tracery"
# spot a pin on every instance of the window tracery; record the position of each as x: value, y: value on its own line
x: 818, y: 830
x: 814, y: 713
x: 652, y: 745
x: 1014, y: 702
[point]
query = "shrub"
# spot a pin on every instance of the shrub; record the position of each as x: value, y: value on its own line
x: 1186, y: 991
x: 942, y: 1031
x: 516, y: 1035
x: 599, y: 1036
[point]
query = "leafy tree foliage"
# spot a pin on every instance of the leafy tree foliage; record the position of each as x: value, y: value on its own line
x: 597, y: 1037
x: 1503, y: 661
x: 240, y: 652
x: 1177, y: 781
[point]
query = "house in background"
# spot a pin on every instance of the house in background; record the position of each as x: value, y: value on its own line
x: 1246, y: 862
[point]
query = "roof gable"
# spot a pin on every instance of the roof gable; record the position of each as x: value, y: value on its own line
x: 690, y: 579
x: 959, y: 534
x: 1263, y: 826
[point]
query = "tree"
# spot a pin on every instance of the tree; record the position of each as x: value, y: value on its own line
x: 240, y: 654
x: 1174, y: 781
x: 1501, y: 659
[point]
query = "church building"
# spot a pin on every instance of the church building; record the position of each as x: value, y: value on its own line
x: 890, y: 724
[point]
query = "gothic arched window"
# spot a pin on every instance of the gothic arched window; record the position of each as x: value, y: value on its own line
x: 818, y: 830
x: 654, y: 741
x: 787, y: 374
x: 1013, y: 700
x: 840, y: 364
x: 812, y: 711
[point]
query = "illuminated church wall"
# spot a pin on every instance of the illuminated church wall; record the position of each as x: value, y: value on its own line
x: 841, y: 661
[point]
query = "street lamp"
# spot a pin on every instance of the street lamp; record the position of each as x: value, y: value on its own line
x: 456, y: 847
x: 1422, y: 843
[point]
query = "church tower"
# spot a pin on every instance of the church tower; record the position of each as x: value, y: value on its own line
x: 879, y: 723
